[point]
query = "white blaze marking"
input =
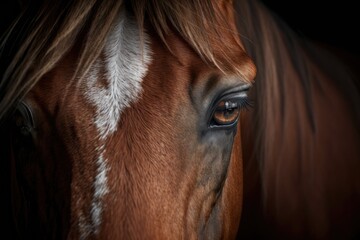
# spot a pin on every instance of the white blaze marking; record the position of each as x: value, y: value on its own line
x: 126, y: 63
x: 100, y: 190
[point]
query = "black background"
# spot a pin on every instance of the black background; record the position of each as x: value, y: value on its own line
x: 335, y: 23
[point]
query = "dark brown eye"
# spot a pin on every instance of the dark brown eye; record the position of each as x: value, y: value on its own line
x: 226, y: 112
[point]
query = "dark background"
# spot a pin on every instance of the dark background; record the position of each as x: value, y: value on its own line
x: 335, y: 23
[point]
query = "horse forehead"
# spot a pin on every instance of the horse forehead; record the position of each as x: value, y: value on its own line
x: 112, y: 84
x: 126, y: 59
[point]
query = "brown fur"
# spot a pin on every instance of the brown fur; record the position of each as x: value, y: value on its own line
x: 160, y: 185
x: 59, y: 27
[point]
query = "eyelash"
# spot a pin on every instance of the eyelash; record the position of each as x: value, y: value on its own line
x: 246, y: 104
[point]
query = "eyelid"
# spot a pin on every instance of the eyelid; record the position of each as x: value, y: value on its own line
x: 234, y: 92
x: 231, y: 97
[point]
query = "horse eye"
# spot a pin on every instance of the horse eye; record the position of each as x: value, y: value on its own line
x: 226, y: 113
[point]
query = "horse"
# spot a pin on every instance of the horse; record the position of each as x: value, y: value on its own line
x: 189, y: 119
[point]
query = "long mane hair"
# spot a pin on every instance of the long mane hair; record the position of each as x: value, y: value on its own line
x: 288, y: 187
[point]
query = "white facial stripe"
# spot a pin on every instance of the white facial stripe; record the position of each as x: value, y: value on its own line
x: 100, y: 190
x: 126, y: 65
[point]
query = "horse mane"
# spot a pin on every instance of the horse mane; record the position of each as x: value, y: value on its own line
x: 295, y: 187
x: 44, y: 33
x: 263, y: 34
